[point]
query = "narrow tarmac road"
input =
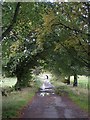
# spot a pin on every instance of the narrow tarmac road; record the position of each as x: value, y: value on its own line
x: 52, y: 106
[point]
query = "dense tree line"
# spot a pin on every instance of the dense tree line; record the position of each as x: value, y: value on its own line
x: 52, y: 35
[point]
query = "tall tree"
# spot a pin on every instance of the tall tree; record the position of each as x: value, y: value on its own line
x: 55, y: 33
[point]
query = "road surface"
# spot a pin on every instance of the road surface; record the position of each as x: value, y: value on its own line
x: 52, y: 106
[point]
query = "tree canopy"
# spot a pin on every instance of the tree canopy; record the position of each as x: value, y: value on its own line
x: 52, y: 35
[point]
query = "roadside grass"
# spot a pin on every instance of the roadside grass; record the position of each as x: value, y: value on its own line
x: 81, y: 99
x: 12, y: 104
x: 77, y: 94
x: 16, y: 100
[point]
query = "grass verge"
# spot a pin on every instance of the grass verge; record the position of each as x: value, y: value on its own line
x: 80, y: 99
x: 12, y: 104
x: 78, y: 96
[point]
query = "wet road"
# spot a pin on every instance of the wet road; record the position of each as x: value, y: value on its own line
x: 52, y: 106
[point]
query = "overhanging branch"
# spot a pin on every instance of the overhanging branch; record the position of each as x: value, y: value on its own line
x: 13, y: 21
x: 73, y: 29
x: 79, y: 59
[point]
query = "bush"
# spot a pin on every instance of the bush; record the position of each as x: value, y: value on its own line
x: 7, y: 90
x: 64, y: 81
x: 61, y: 91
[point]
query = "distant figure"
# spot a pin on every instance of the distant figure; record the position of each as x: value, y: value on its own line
x: 46, y: 83
x: 47, y: 76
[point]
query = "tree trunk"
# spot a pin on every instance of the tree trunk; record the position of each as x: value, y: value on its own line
x: 68, y: 80
x: 22, y: 80
x: 75, y: 80
x: 18, y: 84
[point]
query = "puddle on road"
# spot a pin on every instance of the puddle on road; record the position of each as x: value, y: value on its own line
x: 46, y: 89
x: 45, y: 94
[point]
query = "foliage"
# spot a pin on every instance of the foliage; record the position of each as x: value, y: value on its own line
x: 51, y: 35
